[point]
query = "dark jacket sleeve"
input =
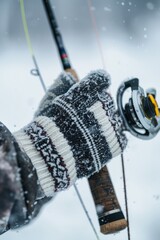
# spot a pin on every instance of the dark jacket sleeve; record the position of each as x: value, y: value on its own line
x: 21, y: 196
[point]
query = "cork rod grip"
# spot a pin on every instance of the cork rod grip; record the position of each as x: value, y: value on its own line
x: 110, y: 215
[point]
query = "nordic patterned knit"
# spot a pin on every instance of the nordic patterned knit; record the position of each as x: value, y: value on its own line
x: 75, y: 134
x: 21, y: 195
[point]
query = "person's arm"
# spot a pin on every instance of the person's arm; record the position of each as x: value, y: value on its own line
x: 71, y: 137
x: 9, y: 185
x: 21, y: 196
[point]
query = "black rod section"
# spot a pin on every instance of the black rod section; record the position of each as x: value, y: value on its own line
x: 57, y: 35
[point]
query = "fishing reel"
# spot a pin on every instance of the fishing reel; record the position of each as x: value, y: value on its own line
x: 141, y: 115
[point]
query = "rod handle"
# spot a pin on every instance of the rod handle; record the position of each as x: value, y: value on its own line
x: 110, y: 215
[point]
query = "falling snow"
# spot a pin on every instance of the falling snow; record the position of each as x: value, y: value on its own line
x: 107, y: 9
x: 124, y: 50
x: 150, y: 6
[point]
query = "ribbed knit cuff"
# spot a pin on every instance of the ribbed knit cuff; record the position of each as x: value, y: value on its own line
x: 107, y: 129
x: 50, y: 154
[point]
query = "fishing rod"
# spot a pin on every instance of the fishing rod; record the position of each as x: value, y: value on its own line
x: 36, y: 72
x: 140, y: 115
x: 111, y: 218
x: 141, y: 118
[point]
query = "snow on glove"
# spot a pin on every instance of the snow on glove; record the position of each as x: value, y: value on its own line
x: 77, y: 134
x: 59, y: 87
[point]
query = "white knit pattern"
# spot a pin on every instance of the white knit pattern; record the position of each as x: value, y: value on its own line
x: 61, y: 145
x: 44, y: 176
x: 107, y: 129
x: 84, y: 130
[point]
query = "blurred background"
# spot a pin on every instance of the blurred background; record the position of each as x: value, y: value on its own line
x: 129, y: 38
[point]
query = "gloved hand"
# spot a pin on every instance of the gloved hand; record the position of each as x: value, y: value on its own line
x: 75, y: 134
x: 21, y: 195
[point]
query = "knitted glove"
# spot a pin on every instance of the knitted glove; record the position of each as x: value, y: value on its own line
x: 75, y: 136
x: 21, y: 195
x: 59, y: 87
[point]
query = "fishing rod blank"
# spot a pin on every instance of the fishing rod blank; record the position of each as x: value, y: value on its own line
x: 111, y: 218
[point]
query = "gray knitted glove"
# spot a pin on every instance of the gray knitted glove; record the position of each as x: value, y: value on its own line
x: 76, y: 134
x: 59, y: 87
x: 21, y: 195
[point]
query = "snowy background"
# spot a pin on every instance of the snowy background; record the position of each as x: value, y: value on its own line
x: 129, y: 35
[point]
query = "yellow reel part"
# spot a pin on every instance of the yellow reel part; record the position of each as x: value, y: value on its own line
x: 154, y: 102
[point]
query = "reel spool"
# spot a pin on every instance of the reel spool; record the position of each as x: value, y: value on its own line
x: 141, y: 115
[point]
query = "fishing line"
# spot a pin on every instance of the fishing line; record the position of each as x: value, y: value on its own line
x: 36, y: 72
x: 86, y: 212
x: 94, y: 24
x: 95, y: 28
x: 125, y: 195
